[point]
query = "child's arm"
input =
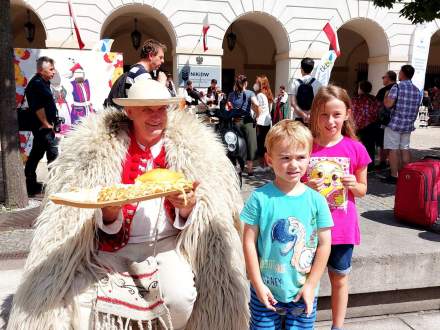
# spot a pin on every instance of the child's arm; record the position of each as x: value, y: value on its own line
x: 315, y: 184
x: 357, y: 183
x: 250, y: 235
x: 319, y: 263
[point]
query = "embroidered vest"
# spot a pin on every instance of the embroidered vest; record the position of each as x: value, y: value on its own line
x: 136, y: 162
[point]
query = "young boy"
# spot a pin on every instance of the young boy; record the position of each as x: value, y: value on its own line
x: 287, y: 236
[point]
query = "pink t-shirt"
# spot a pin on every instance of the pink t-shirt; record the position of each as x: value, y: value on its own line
x: 330, y: 163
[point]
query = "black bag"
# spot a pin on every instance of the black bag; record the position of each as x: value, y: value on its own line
x: 384, y: 116
x: 304, y: 94
x: 118, y: 90
x: 385, y: 113
x: 26, y: 119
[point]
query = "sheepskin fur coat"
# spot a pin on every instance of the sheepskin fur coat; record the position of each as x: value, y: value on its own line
x: 64, y: 243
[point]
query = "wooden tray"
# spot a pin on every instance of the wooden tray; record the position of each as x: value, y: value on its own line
x: 77, y: 199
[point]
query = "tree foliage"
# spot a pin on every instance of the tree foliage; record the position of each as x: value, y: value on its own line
x: 417, y: 11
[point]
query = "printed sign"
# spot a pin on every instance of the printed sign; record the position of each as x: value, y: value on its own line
x: 200, y: 75
x: 419, y: 58
x: 82, y: 82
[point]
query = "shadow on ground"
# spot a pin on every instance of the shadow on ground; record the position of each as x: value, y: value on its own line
x: 387, y: 217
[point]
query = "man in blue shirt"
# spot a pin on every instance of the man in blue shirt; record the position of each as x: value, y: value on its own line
x: 405, y: 100
x: 40, y: 101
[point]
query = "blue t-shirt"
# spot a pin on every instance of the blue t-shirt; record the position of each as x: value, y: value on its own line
x: 288, y: 236
x: 241, y: 103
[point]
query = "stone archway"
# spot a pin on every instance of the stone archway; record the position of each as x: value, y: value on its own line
x: 433, y: 66
x: 19, y: 17
x: 150, y: 23
x: 260, y: 38
x: 365, y: 54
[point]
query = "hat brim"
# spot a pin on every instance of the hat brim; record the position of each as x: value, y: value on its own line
x: 125, y: 102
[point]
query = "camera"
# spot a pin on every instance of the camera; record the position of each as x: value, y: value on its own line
x: 57, y: 124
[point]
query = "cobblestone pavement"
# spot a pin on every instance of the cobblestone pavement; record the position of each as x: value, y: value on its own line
x: 16, y: 231
x: 16, y: 234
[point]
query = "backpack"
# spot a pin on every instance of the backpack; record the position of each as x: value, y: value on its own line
x: 385, y: 113
x: 118, y: 90
x: 304, y: 94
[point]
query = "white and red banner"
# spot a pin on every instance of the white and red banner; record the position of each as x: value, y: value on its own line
x: 75, y: 26
x: 332, y: 37
x: 323, y: 70
x: 205, y: 33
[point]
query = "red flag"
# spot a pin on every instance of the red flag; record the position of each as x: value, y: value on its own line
x: 205, y: 32
x: 332, y: 37
x: 78, y: 36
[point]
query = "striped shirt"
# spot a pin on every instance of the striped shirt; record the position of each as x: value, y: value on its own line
x: 406, y: 108
x: 137, y: 72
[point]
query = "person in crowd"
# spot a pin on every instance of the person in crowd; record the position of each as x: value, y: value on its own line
x: 302, y: 91
x: 388, y: 80
x: 281, y: 109
x: 245, y: 110
x: 213, y: 92
x: 365, y: 109
x: 405, y: 98
x: 338, y: 169
x: 148, y: 67
x: 192, y: 96
x: 264, y: 120
x: 79, y: 257
x: 170, y: 85
x: 41, y: 103
x: 434, y: 93
x: 286, y: 239
x: 152, y: 56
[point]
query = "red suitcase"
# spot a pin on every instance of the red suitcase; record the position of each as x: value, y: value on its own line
x: 418, y: 194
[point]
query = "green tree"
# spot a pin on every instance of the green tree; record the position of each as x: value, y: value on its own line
x: 417, y: 11
x: 12, y: 180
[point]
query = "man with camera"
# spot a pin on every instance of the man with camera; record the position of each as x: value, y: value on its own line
x: 45, y: 122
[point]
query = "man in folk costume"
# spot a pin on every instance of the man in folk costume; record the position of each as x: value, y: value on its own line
x: 163, y: 262
x: 81, y: 106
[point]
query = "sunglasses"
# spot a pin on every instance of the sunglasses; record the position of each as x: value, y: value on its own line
x: 295, y: 311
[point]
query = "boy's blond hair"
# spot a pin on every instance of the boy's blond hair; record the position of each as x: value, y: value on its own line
x: 293, y: 131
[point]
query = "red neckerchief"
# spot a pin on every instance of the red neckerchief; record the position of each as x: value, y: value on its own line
x: 134, y: 166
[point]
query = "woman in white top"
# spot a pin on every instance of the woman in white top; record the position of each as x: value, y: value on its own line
x: 264, y: 120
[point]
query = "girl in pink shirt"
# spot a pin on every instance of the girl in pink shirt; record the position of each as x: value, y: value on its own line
x: 338, y: 170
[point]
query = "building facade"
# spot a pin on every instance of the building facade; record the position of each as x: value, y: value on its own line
x: 245, y: 36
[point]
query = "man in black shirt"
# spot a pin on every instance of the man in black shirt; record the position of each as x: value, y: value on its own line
x: 192, y: 95
x: 212, y: 93
x: 388, y: 80
x: 40, y: 100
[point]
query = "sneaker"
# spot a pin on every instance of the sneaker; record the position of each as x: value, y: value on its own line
x: 389, y: 179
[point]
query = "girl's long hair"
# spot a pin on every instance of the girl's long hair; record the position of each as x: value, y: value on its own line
x: 240, y: 80
x: 324, y: 95
x: 263, y: 82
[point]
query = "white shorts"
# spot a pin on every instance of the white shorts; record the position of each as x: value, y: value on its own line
x: 395, y: 140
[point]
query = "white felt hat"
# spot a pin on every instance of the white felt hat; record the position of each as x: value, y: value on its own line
x: 147, y: 92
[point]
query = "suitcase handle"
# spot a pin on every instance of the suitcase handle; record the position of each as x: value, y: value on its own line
x: 431, y: 157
